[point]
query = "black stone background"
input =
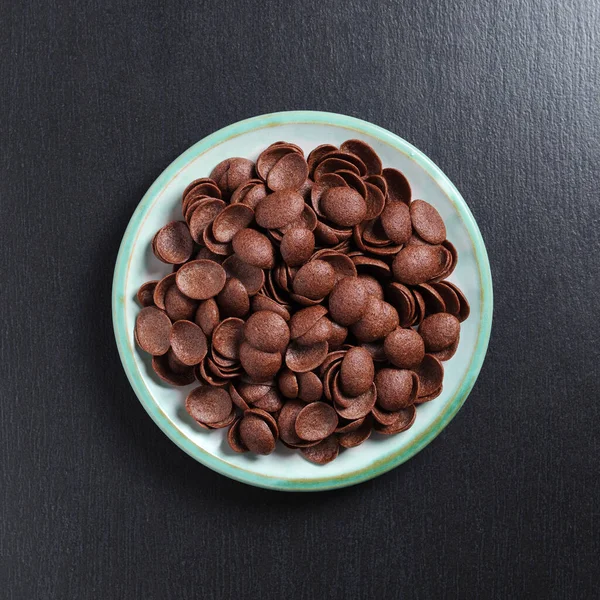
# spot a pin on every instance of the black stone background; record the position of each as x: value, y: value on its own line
x: 97, y: 98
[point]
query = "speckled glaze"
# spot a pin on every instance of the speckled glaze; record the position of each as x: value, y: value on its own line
x: 286, y: 469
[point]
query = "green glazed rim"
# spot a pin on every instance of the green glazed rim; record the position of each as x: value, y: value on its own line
x: 126, y: 350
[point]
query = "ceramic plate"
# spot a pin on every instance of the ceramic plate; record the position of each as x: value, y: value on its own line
x: 286, y: 469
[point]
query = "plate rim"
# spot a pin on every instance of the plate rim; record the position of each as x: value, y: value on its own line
x: 125, y: 349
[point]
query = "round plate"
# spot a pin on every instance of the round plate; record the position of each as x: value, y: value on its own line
x: 286, y: 469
